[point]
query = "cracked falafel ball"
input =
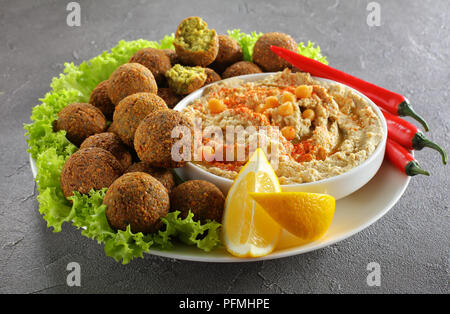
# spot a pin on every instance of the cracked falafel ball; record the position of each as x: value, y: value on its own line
x: 131, y: 110
x: 128, y: 79
x: 136, y: 199
x: 195, y: 43
x: 184, y: 80
x: 265, y: 58
x: 80, y: 121
x: 89, y: 168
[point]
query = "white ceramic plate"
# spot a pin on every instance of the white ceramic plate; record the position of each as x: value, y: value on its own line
x: 353, y: 214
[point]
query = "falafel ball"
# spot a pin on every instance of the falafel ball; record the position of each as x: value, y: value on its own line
x: 229, y: 52
x: 172, y: 54
x: 202, y: 198
x: 169, y: 96
x: 136, y: 199
x: 165, y: 176
x: 211, y: 76
x: 113, y: 144
x: 241, y: 68
x: 155, y: 60
x: 80, y: 121
x: 128, y: 79
x: 131, y: 110
x: 265, y: 58
x: 153, y: 141
x: 100, y: 99
x: 184, y: 80
x: 112, y: 128
x: 89, y: 168
x: 195, y: 43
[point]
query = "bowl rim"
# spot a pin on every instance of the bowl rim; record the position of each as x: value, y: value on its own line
x: 381, y: 146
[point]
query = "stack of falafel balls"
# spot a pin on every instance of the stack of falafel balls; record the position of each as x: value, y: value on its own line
x: 131, y: 156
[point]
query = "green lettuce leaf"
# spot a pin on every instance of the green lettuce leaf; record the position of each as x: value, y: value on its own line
x: 312, y: 52
x: 40, y: 133
x: 246, y: 41
x: 125, y: 245
x: 204, y: 236
x: 166, y: 42
x: 52, y: 204
x: 88, y: 212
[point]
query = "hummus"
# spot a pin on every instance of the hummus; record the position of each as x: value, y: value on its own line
x: 318, y: 130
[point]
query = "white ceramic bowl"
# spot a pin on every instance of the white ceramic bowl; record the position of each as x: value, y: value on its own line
x: 339, y: 186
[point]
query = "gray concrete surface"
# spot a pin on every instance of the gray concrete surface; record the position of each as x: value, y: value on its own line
x: 408, y: 53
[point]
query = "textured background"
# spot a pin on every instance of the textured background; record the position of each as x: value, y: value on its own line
x: 408, y: 53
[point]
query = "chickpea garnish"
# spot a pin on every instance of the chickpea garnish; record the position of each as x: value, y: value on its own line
x: 309, y: 114
x: 288, y: 97
x: 303, y: 91
x: 307, y: 157
x: 321, y: 153
x: 208, y: 153
x: 286, y: 109
x: 260, y: 108
x: 288, y: 132
x: 272, y: 102
x: 216, y: 106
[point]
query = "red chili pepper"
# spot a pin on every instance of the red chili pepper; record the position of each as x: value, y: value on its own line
x: 409, y: 136
x: 402, y: 159
x: 394, y: 103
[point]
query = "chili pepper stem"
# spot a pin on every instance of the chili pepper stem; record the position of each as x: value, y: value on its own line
x: 419, y: 141
x: 413, y: 168
x: 405, y: 109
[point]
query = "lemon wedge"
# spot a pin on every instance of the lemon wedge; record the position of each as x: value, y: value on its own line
x: 306, y: 215
x: 247, y: 229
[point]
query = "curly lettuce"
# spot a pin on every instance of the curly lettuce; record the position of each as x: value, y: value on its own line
x: 52, y: 204
x: 204, y: 236
x: 246, y: 41
x: 312, y: 52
